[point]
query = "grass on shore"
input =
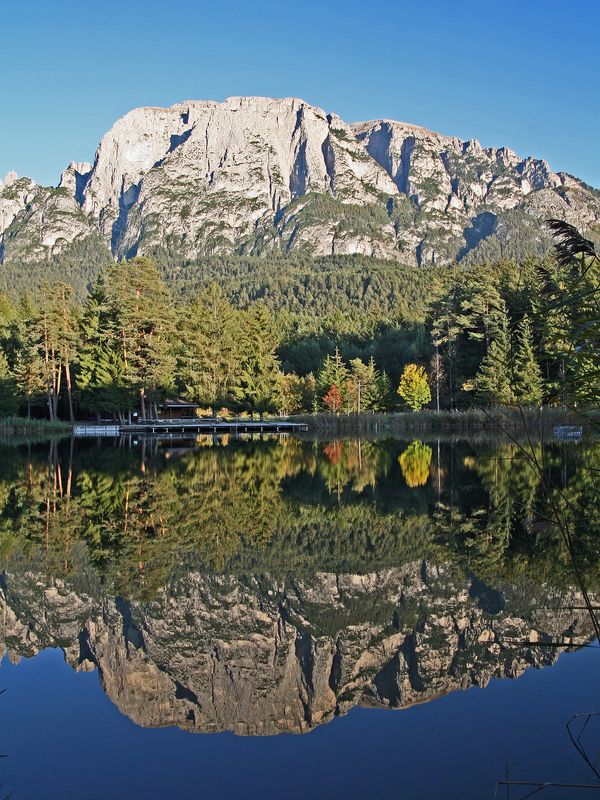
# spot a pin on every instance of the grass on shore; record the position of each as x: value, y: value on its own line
x: 15, y: 428
x: 495, y: 418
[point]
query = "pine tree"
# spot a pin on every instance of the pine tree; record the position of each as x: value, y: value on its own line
x: 481, y: 307
x: 309, y: 399
x: 384, y: 399
x: 528, y: 383
x: 445, y: 334
x: 362, y: 389
x: 493, y: 380
x: 257, y: 380
x: 333, y: 372
x: 210, y: 348
x: 142, y: 307
x: 29, y: 371
x: 9, y: 405
x: 100, y: 376
x: 414, y: 387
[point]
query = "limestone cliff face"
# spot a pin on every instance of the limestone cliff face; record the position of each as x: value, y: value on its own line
x: 465, y: 193
x: 255, y: 174
x: 217, y: 176
x: 37, y: 222
x: 264, y: 655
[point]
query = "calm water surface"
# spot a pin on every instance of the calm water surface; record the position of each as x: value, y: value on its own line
x: 291, y: 619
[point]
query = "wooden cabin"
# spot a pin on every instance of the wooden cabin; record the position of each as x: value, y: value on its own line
x: 178, y: 409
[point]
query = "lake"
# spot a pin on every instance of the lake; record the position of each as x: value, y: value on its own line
x: 291, y: 618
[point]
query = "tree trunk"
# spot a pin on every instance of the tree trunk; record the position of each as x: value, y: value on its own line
x: 69, y: 390
x: 58, y: 381
x: 437, y: 378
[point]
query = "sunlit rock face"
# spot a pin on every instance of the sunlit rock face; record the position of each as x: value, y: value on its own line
x: 255, y: 175
x: 265, y: 655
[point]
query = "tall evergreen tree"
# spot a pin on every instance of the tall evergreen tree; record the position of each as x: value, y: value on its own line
x: 143, y: 312
x: 334, y: 372
x: 209, y: 351
x: 384, y: 399
x: 257, y: 381
x: 362, y: 386
x: 100, y: 376
x: 493, y: 380
x: 9, y: 405
x: 29, y: 370
x: 528, y: 384
x: 446, y: 332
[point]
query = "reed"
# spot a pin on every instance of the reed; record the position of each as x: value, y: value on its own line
x: 496, y: 418
x: 18, y: 428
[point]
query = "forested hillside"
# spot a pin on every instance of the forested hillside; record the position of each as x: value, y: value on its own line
x: 289, y: 335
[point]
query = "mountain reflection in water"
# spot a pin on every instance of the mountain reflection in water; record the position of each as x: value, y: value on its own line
x: 266, y: 586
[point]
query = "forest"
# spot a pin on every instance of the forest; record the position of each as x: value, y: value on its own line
x: 276, y: 335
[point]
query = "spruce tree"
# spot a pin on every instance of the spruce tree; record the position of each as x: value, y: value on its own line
x: 493, y: 380
x: 100, y: 376
x: 257, y: 380
x: 362, y: 385
x: 29, y: 371
x: 9, y: 405
x: 143, y: 312
x: 209, y: 352
x: 384, y: 398
x: 528, y: 384
x: 334, y: 372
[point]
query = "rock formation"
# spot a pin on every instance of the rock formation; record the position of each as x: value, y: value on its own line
x: 265, y: 655
x: 254, y: 175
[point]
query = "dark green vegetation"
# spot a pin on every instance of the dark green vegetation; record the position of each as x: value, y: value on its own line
x: 137, y: 516
x: 300, y: 335
x: 344, y: 335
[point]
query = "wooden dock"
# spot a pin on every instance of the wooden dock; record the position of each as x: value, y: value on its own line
x: 172, y: 427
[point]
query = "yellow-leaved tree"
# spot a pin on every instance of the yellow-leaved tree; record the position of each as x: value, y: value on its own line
x: 414, y: 387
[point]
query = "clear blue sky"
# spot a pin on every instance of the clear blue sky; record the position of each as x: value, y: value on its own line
x: 521, y: 73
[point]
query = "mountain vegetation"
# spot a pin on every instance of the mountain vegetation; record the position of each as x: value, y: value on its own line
x: 342, y: 335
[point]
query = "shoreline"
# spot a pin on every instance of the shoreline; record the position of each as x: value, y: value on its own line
x: 496, y: 420
x: 474, y: 420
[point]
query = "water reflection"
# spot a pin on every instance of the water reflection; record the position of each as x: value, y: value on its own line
x: 266, y: 586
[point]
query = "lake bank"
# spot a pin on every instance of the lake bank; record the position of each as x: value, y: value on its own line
x: 19, y: 429
x: 497, y: 419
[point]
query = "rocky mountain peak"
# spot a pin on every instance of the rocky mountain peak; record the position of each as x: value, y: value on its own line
x: 257, y: 174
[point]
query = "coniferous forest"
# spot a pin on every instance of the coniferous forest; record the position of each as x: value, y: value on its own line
x: 288, y: 336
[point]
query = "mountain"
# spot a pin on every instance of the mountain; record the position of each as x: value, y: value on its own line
x: 253, y: 175
x: 262, y: 655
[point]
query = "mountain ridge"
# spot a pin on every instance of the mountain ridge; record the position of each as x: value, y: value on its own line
x: 255, y: 175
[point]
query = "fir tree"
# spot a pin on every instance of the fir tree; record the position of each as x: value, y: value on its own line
x: 384, y: 399
x: 100, y: 375
x: 493, y: 380
x: 528, y: 383
x: 333, y: 372
x: 9, y: 405
x: 143, y: 315
x: 257, y: 380
x: 362, y: 389
x: 29, y: 372
x: 209, y: 352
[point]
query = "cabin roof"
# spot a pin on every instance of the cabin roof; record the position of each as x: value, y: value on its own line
x: 179, y: 403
